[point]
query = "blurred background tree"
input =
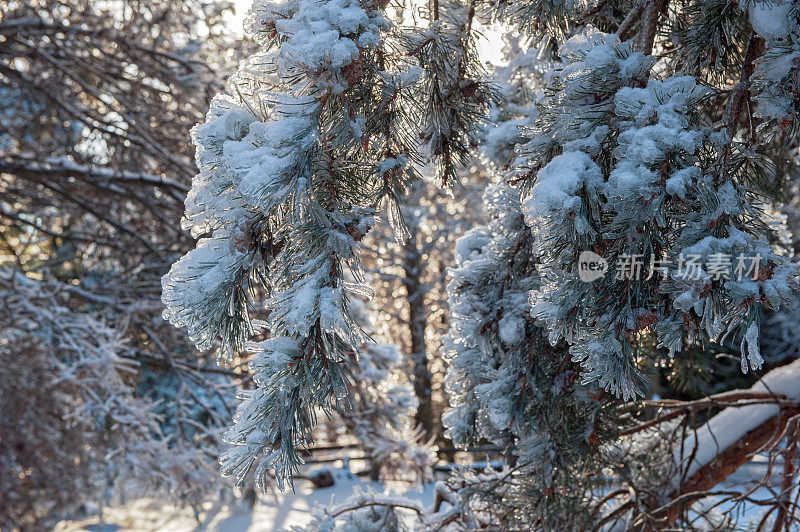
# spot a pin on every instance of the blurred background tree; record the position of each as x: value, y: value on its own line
x: 96, y: 99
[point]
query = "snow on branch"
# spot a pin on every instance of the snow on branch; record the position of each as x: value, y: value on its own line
x: 704, y: 448
x: 64, y: 167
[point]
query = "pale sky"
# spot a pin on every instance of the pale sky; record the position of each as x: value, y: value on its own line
x: 489, y: 44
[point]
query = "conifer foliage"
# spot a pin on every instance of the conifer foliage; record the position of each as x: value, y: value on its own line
x: 666, y: 167
x: 315, y: 133
x: 635, y: 176
x: 653, y: 138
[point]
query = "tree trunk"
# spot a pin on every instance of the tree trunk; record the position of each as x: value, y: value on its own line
x: 417, y: 319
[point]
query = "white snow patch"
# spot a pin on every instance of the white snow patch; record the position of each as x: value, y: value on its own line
x: 268, y: 515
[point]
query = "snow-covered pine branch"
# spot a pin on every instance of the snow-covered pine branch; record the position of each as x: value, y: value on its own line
x: 311, y: 137
x: 707, y: 445
x: 622, y: 159
x: 506, y: 383
x: 624, y: 155
x: 454, y: 96
x: 632, y: 150
x: 367, y: 511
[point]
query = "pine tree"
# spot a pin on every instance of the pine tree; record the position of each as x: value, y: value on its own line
x: 641, y: 152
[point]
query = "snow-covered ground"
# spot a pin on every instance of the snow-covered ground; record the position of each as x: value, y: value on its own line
x: 268, y: 515
x: 272, y: 514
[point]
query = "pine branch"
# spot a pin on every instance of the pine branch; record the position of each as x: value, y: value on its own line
x: 649, y: 29
x: 712, y: 461
x: 631, y: 19
x: 724, y: 464
x: 62, y: 167
x: 737, y: 99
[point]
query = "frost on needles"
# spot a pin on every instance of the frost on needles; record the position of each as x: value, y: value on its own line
x: 316, y: 132
x: 286, y: 190
x: 626, y: 168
